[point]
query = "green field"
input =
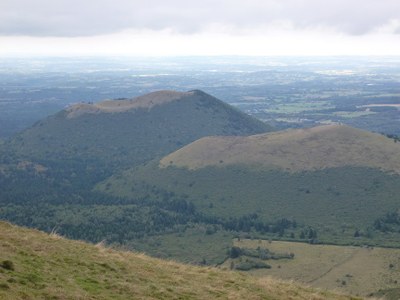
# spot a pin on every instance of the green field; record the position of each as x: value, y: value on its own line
x: 298, y: 107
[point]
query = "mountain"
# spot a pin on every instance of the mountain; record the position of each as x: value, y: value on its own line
x: 35, y: 265
x: 48, y: 171
x: 332, y: 184
x: 121, y: 133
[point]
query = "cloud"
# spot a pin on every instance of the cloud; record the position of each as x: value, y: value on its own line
x: 72, y: 18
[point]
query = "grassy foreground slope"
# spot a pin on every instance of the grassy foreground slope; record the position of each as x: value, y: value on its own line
x: 34, y: 265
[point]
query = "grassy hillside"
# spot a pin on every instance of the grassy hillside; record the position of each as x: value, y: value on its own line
x: 34, y: 265
x: 321, y: 147
x: 355, y: 270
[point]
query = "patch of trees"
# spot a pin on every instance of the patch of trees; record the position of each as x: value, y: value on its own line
x: 261, y: 253
x: 248, y: 264
x: 119, y: 223
x: 245, y: 259
x: 309, y: 234
x: 252, y: 222
x: 388, y: 223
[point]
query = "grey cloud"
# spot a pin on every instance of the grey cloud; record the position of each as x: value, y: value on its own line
x: 94, y: 17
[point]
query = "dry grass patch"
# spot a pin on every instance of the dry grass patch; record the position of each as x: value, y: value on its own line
x: 113, y: 106
x: 355, y: 270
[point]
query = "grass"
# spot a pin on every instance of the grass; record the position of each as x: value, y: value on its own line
x: 50, y: 267
x: 356, y: 270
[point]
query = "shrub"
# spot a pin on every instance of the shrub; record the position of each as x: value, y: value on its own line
x: 235, y: 252
x: 8, y: 265
x: 251, y: 264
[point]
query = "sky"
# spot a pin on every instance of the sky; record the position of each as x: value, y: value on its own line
x: 206, y: 27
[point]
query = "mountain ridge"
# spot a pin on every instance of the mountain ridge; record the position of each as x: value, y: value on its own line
x: 293, y: 150
x: 112, y: 106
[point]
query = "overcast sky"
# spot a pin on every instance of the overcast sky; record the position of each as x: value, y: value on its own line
x: 201, y: 27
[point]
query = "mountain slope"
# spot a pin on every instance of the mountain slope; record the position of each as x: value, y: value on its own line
x: 334, y: 184
x: 34, y: 265
x: 328, y: 146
